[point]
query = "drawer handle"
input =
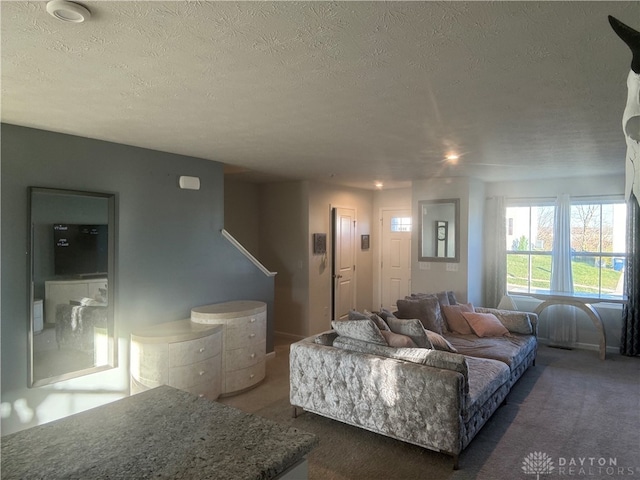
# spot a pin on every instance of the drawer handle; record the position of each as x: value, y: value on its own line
x: 253, y: 355
x: 252, y: 335
x: 253, y: 320
x: 201, y: 372
x: 201, y: 350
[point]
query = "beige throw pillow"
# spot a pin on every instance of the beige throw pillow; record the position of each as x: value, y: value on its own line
x: 454, y: 318
x: 440, y: 343
x: 398, y: 341
x: 485, y: 324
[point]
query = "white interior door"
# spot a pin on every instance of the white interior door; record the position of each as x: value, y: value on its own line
x: 344, y: 292
x: 395, y: 268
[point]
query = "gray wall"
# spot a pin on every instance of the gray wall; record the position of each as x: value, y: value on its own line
x: 170, y: 255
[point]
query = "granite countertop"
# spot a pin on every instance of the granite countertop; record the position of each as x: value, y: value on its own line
x: 160, y: 433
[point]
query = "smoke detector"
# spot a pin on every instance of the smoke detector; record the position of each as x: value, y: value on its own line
x: 68, y: 11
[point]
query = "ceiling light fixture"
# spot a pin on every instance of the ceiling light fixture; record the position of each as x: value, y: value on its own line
x: 379, y: 184
x: 68, y: 11
x: 452, y: 158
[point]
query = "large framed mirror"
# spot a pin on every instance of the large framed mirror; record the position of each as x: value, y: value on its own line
x: 439, y: 230
x: 72, y: 282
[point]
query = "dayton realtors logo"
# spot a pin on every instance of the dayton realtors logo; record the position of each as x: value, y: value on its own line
x: 537, y: 463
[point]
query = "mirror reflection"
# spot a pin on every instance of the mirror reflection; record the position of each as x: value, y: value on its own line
x: 439, y: 230
x: 72, y: 272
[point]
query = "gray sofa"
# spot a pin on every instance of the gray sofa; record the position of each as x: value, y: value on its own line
x: 430, y: 397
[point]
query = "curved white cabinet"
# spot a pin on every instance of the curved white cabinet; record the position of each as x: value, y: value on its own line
x: 244, y: 341
x: 181, y: 354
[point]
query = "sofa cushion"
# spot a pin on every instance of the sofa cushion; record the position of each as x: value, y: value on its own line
x: 439, y: 342
x: 425, y: 308
x: 412, y: 328
x: 398, y: 341
x: 486, y: 376
x: 485, y: 324
x: 424, y: 356
x: 455, y: 321
x: 365, y: 330
x: 516, y: 322
x: 511, y: 350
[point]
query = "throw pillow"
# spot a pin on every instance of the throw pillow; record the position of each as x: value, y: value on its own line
x: 485, y: 324
x: 452, y: 297
x: 398, y: 341
x: 365, y: 330
x: 439, y: 342
x: 455, y: 321
x: 516, y: 322
x: 384, y: 314
x: 325, y: 338
x: 355, y: 315
x: 414, y: 355
x: 443, y: 298
x: 411, y: 328
x: 425, y: 308
x: 380, y: 323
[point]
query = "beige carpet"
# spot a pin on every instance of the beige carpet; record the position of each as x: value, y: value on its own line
x: 571, y: 408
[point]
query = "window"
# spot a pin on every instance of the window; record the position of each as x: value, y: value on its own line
x: 401, y: 224
x: 529, y: 243
x: 597, y: 246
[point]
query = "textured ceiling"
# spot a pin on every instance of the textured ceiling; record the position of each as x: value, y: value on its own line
x: 347, y: 92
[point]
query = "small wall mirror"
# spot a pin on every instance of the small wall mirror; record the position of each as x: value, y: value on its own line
x: 439, y: 230
x: 72, y: 274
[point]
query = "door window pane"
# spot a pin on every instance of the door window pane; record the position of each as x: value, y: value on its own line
x: 400, y: 224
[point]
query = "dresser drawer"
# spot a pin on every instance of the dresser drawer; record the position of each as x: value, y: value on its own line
x: 208, y: 390
x: 193, y: 351
x: 245, y: 333
x: 245, y: 357
x: 150, y: 363
x: 207, y: 371
x: 244, y: 378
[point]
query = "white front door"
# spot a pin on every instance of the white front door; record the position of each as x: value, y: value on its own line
x: 395, y: 268
x: 344, y: 233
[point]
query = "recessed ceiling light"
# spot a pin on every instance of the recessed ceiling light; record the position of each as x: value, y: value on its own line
x: 379, y: 184
x: 452, y: 158
x: 68, y: 11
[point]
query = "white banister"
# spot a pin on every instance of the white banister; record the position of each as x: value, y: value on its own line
x: 246, y: 253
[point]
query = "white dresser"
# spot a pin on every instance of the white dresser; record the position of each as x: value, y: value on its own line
x: 244, y: 344
x: 63, y: 291
x: 181, y: 354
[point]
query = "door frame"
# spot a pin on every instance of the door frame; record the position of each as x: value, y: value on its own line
x: 379, y: 248
x: 332, y: 230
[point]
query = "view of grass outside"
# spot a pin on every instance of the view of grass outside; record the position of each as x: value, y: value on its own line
x: 585, y: 274
x: 597, y: 241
